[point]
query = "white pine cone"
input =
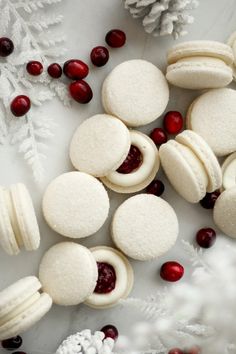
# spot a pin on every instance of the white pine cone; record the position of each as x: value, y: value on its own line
x: 163, y: 17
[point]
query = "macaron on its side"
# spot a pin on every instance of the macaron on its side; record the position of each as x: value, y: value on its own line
x: 202, y: 150
x: 147, y: 88
x: 75, y: 204
x: 22, y: 305
x: 232, y: 43
x: 25, y: 217
x: 124, y: 278
x: 100, y: 145
x: 144, y: 175
x: 229, y: 172
x: 212, y: 116
x: 7, y: 235
x: 68, y: 273
x: 184, y: 171
x: 144, y: 227
x: 224, y: 213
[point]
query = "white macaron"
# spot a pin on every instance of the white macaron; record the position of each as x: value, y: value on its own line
x: 135, y: 91
x: 22, y: 304
x: 115, y: 278
x: 143, y: 175
x: 100, y: 145
x: 145, y: 227
x: 202, y: 150
x: 68, y: 273
x: 229, y: 172
x: 200, y: 65
x: 232, y: 43
x: 212, y: 115
x: 224, y: 212
x: 18, y: 223
x: 75, y: 204
x: 184, y: 170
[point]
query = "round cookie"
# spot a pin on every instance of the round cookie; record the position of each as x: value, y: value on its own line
x: 68, y: 273
x: 229, y: 172
x: 135, y: 91
x: 141, y: 177
x: 212, y: 116
x: 202, y: 150
x: 75, y: 204
x: 224, y: 212
x: 232, y: 43
x: 184, y: 170
x: 200, y: 65
x: 99, y: 145
x: 124, y: 278
x: 145, y: 227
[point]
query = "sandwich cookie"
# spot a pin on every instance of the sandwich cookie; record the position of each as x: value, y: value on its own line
x: 68, y: 273
x: 18, y: 223
x: 200, y: 65
x: 212, y: 116
x: 229, y: 172
x: 135, y: 91
x: 145, y: 227
x: 75, y: 204
x: 224, y: 212
x: 22, y: 304
x: 204, y: 153
x: 100, y: 145
x: 115, y: 278
x: 139, y: 168
x: 232, y: 43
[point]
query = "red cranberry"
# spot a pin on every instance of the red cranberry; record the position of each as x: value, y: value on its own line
x: 99, y: 56
x: 206, y: 237
x: 34, y: 68
x: 175, y: 351
x: 12, y: 343
x: 209, y: 200
x: 75, y: 69
x: 159, y: 136
x: 6, y: 46
x: 55, y: 70
x: 156, y: 187
x: 173, y: 122
x: 132, y: 161
x: 106, y: 278
x: 115, y: 38
x: 20, y: 105
x: 110, y: 331
x: 172, y: 271
x: 81, y: 91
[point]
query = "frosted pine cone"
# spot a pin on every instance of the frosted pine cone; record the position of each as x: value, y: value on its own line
x: 163, y: 17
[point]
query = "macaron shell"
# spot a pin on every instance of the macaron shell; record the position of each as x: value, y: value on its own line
x: 232, y: 43
x: 140, y: 186
x: 201, y: 149
x: 184, y: 171
x: 7, y: 236
x: 100, y: 145
x: 200, y: 48
x: 100, y: 301
x: 75, y: 204
x: 147, y: 88
x: 25, y: 216
x: 224, y: 212
x: 144, y: 227
x: 212, y: 116
x: 225, y: 165
x: 26, y: 319
x: 68, y: 273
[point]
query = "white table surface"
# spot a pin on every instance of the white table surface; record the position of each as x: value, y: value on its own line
x: 85, y: 25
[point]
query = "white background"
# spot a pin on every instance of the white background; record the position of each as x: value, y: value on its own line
x: 85, y: 24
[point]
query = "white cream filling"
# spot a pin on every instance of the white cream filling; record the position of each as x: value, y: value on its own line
x: 13, y: 218
x: 122, y: 279
x: 208, y: 60
x: 143, y: 171
x: 229, y: 176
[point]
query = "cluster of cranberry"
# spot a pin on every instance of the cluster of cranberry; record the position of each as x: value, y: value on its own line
x: 73, y: 69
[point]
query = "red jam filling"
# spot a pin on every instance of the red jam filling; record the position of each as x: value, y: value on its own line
x: 132, y: 161
x: 106, y: 278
